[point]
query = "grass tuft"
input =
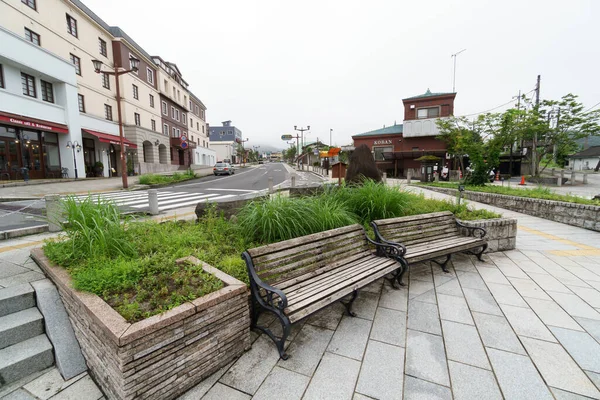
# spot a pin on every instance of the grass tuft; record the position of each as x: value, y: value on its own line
x: 154, y: 179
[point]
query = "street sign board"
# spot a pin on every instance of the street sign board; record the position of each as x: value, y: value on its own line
x: 183, y: 138
x: 286, y: 137
x: 184, y: 145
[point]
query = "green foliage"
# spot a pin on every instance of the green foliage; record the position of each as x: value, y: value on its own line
x: 536, y: 193
x: 420, y: 205
x: 154, y: 179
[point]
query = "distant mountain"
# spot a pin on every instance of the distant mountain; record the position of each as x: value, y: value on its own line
x: 265, y: 148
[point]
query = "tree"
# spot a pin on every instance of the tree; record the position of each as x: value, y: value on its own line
x: 362, y: 166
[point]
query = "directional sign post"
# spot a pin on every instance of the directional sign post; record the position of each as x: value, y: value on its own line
x: 286, y: 137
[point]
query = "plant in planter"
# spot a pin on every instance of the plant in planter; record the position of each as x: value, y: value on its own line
x: 98, y: 168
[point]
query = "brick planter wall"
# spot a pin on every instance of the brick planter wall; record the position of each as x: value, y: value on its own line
x: 581, y: 215
x: 501, y: 232
x: 162, y: 356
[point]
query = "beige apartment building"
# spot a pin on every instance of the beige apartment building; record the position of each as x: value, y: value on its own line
x: 51, y: 96
x: 198, y: 129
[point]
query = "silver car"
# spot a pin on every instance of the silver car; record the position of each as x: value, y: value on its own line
x: 222, y: 168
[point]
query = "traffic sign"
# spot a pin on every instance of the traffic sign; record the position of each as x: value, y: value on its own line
x: 184, y: 145
x: 183, y: 138
x: 286, y: 137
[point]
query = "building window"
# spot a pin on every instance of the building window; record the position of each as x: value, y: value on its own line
x: 108, y: 112
x: 166, y: 83
x: 30, y: 3
x: 150, y: 76
x: 184, y: 99
x: 1, y: 77
x: 415, y: 149
x: 174, y: 93
x: 76, y: 61
x: 47, y: 93
x: 72, y: 25
x: 136, y: 116
x: 432, y: 112
x: 105, y: 80
x: 32, y: 37
x: 379, y: 152
x: 191, y: 122
x: 102, y: 47
x: 174, y: 132
x: 135, y: 92
x: 164, y: 108
x: 191, y: 109
x: 183, y: 118
x: 165, y: 129
x: 230, y: 132
x: 178, y: 132
x: 178, y: 95
x: 172, y: 112
x: 202, y: 129
x: 28, y: 83
x: 177, y: 115
x: 151, y: 101
x: 197, y: 110
x: 153, y: 124
x: 81, y: 100
x: 131, y: 63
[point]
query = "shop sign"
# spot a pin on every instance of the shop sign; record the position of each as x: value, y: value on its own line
x: 33, y: 125
x: 383, y: 141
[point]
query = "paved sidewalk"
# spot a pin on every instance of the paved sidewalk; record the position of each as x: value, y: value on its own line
x: 523, y: 324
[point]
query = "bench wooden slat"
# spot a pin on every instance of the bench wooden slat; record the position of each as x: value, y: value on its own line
x: 385, y: 264
x: 403, y: 236
x: 333, y: 278
x: 440, y: 253
x: 420, y: 217
x: 414, y: 225
x: 445, y: 245
x: 292, y: 243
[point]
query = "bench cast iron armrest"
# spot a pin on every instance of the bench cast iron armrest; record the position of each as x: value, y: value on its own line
x: 473, y: 229
x: 256, y: 284
x: 386, y: 242
x: 388, y: 249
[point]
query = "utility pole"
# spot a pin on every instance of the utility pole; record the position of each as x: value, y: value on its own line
x: 301, y: 130
x: 454, y: 71
x: 510, y: 167
x: 330, y: 132
x: 535, y: 135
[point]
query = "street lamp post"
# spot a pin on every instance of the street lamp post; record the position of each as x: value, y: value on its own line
x: 134, y: 62
x: 301, y: 130
x: 330, y: 132
x: 74, y: 145
x: 244, y: 151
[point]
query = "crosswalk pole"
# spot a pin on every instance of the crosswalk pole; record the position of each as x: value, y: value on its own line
x: 270, y: 184
x: 153, y: 201
x: 294, y: 180
x: 53, y: 212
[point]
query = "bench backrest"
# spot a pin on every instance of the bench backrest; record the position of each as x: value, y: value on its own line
x: 296, y: 257
x: 417, y: 229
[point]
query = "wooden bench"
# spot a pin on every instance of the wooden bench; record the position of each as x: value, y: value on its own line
x: 296, y: 278
x: 429, y: 236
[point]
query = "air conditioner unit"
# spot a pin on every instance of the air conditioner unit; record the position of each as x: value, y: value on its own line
x: 412, y: 106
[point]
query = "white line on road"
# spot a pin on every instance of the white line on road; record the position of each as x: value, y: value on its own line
x: 233, y: 190
x: 194, y: 202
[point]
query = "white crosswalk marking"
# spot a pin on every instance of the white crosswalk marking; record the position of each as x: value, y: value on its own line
x: 167, y: 200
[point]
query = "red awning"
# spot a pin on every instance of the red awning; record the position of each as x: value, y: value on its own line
x: 112, y: 139
x: 32, y: 123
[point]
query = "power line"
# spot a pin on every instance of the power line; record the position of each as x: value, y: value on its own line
x: 492, y: 109
x: 592, y: 107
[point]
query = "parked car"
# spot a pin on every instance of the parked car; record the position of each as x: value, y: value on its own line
x: 222, y: 168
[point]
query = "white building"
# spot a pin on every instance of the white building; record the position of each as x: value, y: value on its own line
x: 585, y: 160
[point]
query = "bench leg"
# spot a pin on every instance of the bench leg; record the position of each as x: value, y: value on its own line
x: 285, y: 328
x: 480, y: 254
x: 443, y: 265
x: 348, y: 304
x: 396, y: 280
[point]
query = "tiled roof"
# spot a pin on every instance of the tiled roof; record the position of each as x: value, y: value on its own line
x: 118, y: 32
x: 593, y: 151
x: 428, y: 93
x: 388, y: 130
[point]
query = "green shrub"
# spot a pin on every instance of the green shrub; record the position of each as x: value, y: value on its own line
x: 155, y: 179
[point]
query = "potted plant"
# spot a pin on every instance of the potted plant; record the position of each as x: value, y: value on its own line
x: 98, y: 168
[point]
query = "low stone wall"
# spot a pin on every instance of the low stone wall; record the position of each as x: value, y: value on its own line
x: 581, y: 215
x: 501, y: 232
x: 162, y: 356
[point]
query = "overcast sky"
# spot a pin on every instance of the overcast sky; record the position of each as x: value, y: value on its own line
x: 269, y: 65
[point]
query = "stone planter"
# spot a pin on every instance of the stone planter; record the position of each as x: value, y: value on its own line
x: 501, y: 232
x: 162, y: 356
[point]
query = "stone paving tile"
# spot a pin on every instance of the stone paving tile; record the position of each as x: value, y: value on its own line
x: 329, y: 317
x: 528, y: 288
x: 506, y: 294
x: 511, y: 270
x: 421, y: 274
x: 517, y: 376
x: 525, y: 323
x: 422, y: 291
x: 592, y: 327
x: 334, y: 379
x: 382, y: 371
x: 567, y: 278
x: 306, y: 350
x: 8, y: 269
x: 472, y: 383
x: 581, y: 346
x: 573, y: 305
x: 551, y: 314
x: 464, y: 266
x: 203, y: 387
x: 396, y: 299
x: 492, y: 275
x: 351, y: 336
x: 451, y: 288
x: 595, y: 378
x: 29, y: 276
x: 389, y: 327
x: 423, y: 317
x: 563, y: 395
x: 374, y: 287
x: 531, y: 266
x: 358, y: 396
x: 19, y: 395
x: 84, y: 388
x: 418, y: 389
x: 453, y: 308
x: 481, y: 301
x: 282, y: 384
x: 426, y: 358
x: 496, y: 332
x: 220, y: 392
x: 365, y: 305
x: 471, y: 280
x: 585, y: 274
x: 49, y: 384
x: 557, y: 367
x: 589, y: 295
x: 464, y: 345
x: 251, y: 369
x: 549, y: 283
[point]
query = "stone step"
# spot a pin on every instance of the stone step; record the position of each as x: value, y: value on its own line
x: 16, y: 298
x: 20, y: 326
x: 25, y: 358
